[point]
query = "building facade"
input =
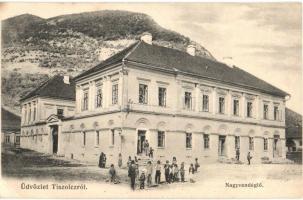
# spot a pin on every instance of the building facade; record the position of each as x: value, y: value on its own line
x: 10, y: 128
x: 184, y: 105
x: 53, y: 98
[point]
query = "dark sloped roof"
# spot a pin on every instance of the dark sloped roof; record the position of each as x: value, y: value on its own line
x: 55, y: 88
x: 9, y: 121
x: 172, y: 59
x: 111, y: 60
x: 293, y: 123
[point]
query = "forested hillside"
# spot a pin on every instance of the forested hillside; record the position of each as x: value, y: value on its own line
x: 34, y: 48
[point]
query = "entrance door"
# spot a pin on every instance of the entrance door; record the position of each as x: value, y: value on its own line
x: 141, y: 139
x: 55, y: 138
x: 221, y: 145
x: 276, y: 146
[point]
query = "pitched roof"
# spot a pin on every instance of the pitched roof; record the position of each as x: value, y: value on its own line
x: 9, y: 120
x: 54, y: 87
x: 175, y: 60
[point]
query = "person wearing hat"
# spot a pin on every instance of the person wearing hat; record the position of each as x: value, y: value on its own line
x: 132, y: 174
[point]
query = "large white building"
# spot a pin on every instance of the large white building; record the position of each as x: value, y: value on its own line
x: 184, y: 105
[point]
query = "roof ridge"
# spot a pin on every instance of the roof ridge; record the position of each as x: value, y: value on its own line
x: 41, y: 86
x: 131, y: 51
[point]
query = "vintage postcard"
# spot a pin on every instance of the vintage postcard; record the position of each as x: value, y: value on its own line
x: 151, y: 100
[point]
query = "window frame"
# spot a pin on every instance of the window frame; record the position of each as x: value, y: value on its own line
x: 205, y: 102
x: 236, y: 107
x: 159, y: 133
x: 251, y: 144
x: 237, y: 142
x: 164, y: 97
x: 85, y: 99
x: 189, y: 140
x: 99, y: 96
x: 143, y: 94
x: 265, y: 144
x: 115, y: 93
x: 188, y: 105
x: 265, y: 111
x: 249, y: 109
x: 221, y: 105
x: 206, y: 141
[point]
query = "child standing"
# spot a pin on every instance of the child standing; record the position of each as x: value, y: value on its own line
x: 112, y: 173
x: 182, y: 172
x: 166, y: 171
x: 142, y: 180
x: 151, y: 152
x: 191, y: 172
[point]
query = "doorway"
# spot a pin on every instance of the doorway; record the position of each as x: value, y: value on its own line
x: 276, y: 146
x: 221, y: 146
x: 141, y: 139
x: 54, y: 131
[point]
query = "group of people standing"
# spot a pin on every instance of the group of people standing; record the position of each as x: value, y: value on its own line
x: 171, y: 171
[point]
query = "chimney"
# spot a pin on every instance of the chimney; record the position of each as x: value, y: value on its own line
x: 191, y: 50
x: 147, y: 37
x: 66, y: 79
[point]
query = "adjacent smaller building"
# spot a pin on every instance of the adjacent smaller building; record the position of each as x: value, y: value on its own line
x: 54, y: 98
x: 10, y: 128
x: 293, y: 131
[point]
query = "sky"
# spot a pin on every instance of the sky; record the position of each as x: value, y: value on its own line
x: 262, y: 38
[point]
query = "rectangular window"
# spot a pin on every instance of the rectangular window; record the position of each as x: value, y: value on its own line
x: 187, y: 101
x: 29, y: 113
x: 84, y: 138
x: 265, y: 144
x: 249, y: 109
x: 188, y: 140
x: 162, y: 96
x: 115, y: 94
x: 206, y: 141
x: 97, y: 138
x: 251, y: 143
x: 276, y: 113
x: 7, y: 139
x: 99, y: 97
x: 17, y: 139
x: 85, y: 100
x: 236, y: 107
x: 265, y: 111
x: 205, y: 103
x: 35, y: 110
x: 112, y: 137
x: 60, y: 112
x: 25, y: 114
x: 221, y: 105
x: 237, y: 142
x: 143, y: 94
x: 161, y: 138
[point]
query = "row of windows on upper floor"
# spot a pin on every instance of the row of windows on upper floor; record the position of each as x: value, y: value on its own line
x: 187, y: 101
x: 188, y: 141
